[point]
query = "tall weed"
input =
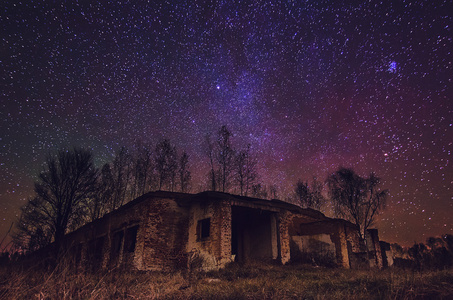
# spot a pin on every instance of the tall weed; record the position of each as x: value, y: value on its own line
x: 252, y: 281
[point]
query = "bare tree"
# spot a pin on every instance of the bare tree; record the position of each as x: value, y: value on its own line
x: 273, y: 191
x: 225, y: 156
x: 309, y: 196
x: 166, y: 164
x: 245, y: 171
x: 34, y: 230
x: 122, y: 174
x: 221, y: 159
x: 143, y: 170
x: 355, y: 198
x: 212, y: 176
x: 102, y: 201
x: 259, y: 191
x: 302, y: 193
x: 67, y: 181
x: 183, y: 172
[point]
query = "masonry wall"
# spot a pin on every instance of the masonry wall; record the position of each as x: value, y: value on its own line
x: 387, y: 254
x: 324, y: 241
x: 317, y: 248
x: 263, y: 232
x: 92, y: 244
x: 168, y: 231
x: 283, y: 227
x: 374, y: 248
x: 150, y: 234
x: 213, y: 251
x: 164, y: 236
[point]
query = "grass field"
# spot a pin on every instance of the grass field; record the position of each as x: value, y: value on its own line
x: 256, y: 281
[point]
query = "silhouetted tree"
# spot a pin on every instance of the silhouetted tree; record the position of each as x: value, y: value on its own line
x: 102, y: 200
x: 183, y: 172
x: 143, y: 170
x: 34, y: 229
x: 434, y: 242
x: 245, y: 171
x: 122, y: 173
x: 212, y: 175
x: 166, y: 164
x: 259, y: 191
x: 440, y: 255
x: 419, y: 253
x: 355, y: 198
x: 436, y: 254
x: 448, y: 240
x: 273, y: 191
x: 397, y: 250
x: 221, y: 159
x: 62, y: 189
x: 309, y: 196
x: 225, y: 157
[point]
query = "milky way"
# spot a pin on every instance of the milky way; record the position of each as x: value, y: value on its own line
x: 309, y: 84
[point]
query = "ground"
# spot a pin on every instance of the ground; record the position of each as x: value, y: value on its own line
x: 254, y: 281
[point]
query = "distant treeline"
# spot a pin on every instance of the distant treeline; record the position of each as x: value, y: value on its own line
x: 71, y: 191
x: 435, y: 254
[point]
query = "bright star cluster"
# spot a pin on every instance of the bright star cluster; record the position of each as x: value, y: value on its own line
x: 311, y: 85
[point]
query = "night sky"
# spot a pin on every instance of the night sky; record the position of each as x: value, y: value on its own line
x: 310, y: 85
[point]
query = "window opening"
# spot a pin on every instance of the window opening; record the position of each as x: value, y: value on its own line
x: 204, y: 229
x: 130, y: 239
x: 116, y: 242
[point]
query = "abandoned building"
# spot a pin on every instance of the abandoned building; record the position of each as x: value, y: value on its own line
x: 166, y: 230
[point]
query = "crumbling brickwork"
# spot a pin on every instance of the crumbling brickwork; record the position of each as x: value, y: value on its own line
x: 162, y: 240
x: 374, y: 248
x: 168, y: 231
x: 335, y: 228
x: 213, y: 249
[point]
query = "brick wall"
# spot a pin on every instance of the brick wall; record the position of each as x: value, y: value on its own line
x: 214, y: 250
x: 168, y: 231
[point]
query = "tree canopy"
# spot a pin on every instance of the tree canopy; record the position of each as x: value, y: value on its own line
x: 309, y: 195
x: 356, y: 198
x: 62, y: 191
x: 71, y: 191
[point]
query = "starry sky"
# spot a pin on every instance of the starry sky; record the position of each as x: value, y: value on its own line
x: 311, y: 85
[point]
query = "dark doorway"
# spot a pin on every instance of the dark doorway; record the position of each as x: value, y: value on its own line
x: 95, y: 253
x: 253, y: 235
x: 115, y: 250
x: 130, y: 239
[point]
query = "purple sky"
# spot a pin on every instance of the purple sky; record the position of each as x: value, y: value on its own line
x: 311, y: 86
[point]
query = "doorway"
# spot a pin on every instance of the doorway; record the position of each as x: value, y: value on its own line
x: 254, y: 234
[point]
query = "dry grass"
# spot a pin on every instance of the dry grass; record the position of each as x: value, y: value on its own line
x: 65, y: 284
x: 256, y: 281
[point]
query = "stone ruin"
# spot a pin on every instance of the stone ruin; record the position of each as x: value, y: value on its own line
x: 166, y: 231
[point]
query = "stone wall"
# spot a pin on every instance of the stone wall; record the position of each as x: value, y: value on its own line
x: 163, y: 238
x: 213, y: 250
x: 168, y: 231
x: 374, y: 248
x: 324, y: 241
x: 146, y: 234
x: 387, y: 254
x: 285, y: 222
x: 92, y: 243
x: 318, y: 248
